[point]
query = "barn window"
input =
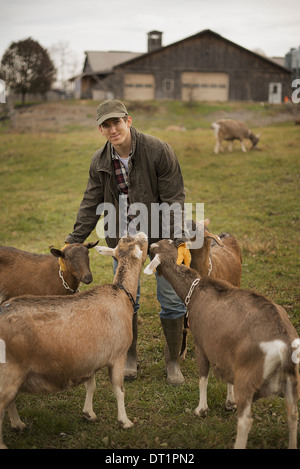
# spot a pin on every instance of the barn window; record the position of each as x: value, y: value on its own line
x: 168, y: 84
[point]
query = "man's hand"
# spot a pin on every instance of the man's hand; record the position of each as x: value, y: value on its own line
x: 184, y: 255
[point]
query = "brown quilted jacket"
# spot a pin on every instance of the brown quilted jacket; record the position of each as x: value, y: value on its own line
x: 154, y: 177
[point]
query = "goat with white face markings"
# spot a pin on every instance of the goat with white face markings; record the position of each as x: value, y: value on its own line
x: 230, y: 130
x: 246, y: 338
x: 57, y: 342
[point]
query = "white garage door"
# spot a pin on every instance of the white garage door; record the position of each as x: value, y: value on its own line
x: 139, y: 87
x: 196, y: 86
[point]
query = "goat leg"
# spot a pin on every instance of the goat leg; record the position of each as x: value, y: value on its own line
x: 203, y: 369
x: 292, y: 412
x: 244, y: 426
x: 230, y: 401
x: 88, y: 411
x: 202, y: 409
x: 116, y: 375
x: 15, y: 420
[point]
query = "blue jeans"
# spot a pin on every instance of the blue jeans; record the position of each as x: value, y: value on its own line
x: 171, y: 305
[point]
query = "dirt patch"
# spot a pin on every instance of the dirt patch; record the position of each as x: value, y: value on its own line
x: 56, y: 117
x: 62, y: 116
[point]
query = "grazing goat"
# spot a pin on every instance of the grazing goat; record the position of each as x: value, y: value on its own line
x: 57, y: 342
x: 25, y: 273
x: 229, y: 129
x: 245, y: 337
x: 219, y: 257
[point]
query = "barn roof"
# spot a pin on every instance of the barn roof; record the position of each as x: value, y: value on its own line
x: 103, y: 61
x: 198, y: 35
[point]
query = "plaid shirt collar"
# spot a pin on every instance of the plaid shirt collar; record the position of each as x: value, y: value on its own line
x: 121, y: 176
x: 120, y: 171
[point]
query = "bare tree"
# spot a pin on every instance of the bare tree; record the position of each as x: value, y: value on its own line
x: 66, y: 62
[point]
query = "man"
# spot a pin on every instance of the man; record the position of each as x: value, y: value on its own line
x: 140, y: 169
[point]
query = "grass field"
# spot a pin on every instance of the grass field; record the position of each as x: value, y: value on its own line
x: 254, y: 196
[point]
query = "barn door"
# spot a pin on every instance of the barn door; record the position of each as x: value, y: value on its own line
x: 139, y: 87
x: 275, y: 93
x: 198, y: 86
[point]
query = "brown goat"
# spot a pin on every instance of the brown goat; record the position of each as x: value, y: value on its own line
x: 57, y: 342
x: 219, y: 257
x: 245, y: 337
x: 230, y: 130
x: 25, y: 273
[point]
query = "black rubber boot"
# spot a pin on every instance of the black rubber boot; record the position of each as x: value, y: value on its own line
x: 173, y: 330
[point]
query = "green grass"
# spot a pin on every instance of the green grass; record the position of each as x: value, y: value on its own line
x: 255, y: 196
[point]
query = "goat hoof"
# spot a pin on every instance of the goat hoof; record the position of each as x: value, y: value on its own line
x: 19, y: 426
x: 130, y: 375
x: 91, y: 417
x: 127, y: 424
x: 230, y: 406
x: 202, y: 413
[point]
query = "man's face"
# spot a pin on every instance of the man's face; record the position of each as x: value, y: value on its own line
x: 116, y: 130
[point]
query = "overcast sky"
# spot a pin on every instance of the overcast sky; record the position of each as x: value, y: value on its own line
x: 270, y: 25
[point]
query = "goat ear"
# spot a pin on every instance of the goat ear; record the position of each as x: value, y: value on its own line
x: 91, y: 245
x: 105, y: 250
x: 56, y: 252
x: 150, y: 269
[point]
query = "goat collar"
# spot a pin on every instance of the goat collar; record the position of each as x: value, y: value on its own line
x: 187, y: 300
x: 210, y: 266
x: 64, y: 282
x: 188, y: 296
x: 127, y: 293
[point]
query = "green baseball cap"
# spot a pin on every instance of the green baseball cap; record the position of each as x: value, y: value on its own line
x: 109, y: 109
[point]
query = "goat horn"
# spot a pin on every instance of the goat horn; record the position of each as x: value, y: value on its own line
x: 215, y: 237
x: 106, y: 251
x: 150, y: 269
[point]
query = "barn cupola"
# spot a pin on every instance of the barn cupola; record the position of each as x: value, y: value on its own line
x: 154, y: 40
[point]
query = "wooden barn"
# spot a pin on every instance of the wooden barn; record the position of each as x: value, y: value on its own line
x: 202, y: 67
